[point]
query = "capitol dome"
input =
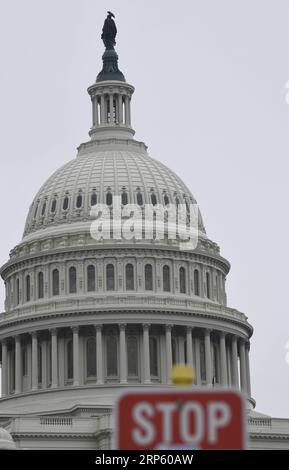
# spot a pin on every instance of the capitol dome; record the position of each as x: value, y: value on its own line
x: 85, y: 318
x: 110, y: 168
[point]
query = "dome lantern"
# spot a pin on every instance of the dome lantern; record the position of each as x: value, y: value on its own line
x: 110, y: 94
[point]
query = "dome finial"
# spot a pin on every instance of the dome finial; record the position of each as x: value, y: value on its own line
x: 110, y: 70
x: 109, y: 31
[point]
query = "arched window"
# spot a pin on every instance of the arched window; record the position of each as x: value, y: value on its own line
x: 55, y: 282
x: 110, y: 284
x: 17, y: 292
x: 139, y: 199
x: 202, y: 361
x: 166, y: 200
x: 27, y: 288
x: 36, y: 210
x: 109, y: 199
x: 91, y: 278
x: 174, y: 351
x: 91, y: 358
x: 148, y: 277
x: 79, y: 201
x: 43, y: 209
x: 129, y: 277
x: 153, y: 199
x: 40, y: 286
x: 69, y: 360
x: 166, y: 279
x: 196, y: 282
x: 132, y: 356
x: 53, y: 206
x: 182, y: 280
x: 124, y: 199
x: 154, y: 360
x: 72, y: 280
x: 93, y: 199
x: 65, y: 203
x: 208, y: 287
x: 111, y: 356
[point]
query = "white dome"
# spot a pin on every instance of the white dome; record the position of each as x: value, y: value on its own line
x: 6, y: 441
x: 99, y: 172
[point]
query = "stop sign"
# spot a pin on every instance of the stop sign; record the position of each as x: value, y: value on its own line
x: 188, y: 419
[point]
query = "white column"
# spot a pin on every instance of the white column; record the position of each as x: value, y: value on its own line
x: 208, y: 357
x: 223, y: 359
x: 198, y: 361
x: 189, y: 344
x: 99, y: 357
x: 18, y: 378
x: 146, y: 354
x: 75, y: 330
x: 235, y: 373
x: 4, y: 369
x: 247, y: 349
x: 34, y: 361
x: 54, y: 359
x: 102, y: 110
x: 123, y: 353
x: 169, y: 351
x: 126, y: 104
x: 44, y: 364
x: 111, y: 120
x: 243, y: 372
x: 120, y: 109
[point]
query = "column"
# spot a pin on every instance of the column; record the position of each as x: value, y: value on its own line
x: 102, y: 110
x: 198, y: 361
x: 44, y: 364
x: 235, y: 373
x: 243, y: 372
x: 99, y: 357
x: 123, y: 353
x: 129, y: 118
x: 126, y: 104
x: 120, y: 109
x: 208, y: 357
x: 111, y: 117
x: 54, y: 359
x: 18, y: 378
x: 223, y: 358
x: 34, y: 361
x: 4, y: 369
x: 146, y: 353
x: 75, y: 331
x: 247, y: 349
x: 169, y: 351
x: 189, y: 346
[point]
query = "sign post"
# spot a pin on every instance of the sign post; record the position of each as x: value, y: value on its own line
x: 187, y: 419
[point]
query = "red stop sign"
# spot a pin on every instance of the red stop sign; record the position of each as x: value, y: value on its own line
x: 210, y: 419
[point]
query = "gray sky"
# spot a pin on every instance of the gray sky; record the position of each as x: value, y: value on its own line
x: 210, y: 103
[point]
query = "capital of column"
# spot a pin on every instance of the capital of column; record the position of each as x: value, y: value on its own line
x: 53, y: 331
x: 34, y: 334
x: 98, y: 327
x: 168, y: 327
x: 146, y: 326
x: 75, y: 328
x: 122, y: 326
x: 189, y: 329
x: 208, y: 331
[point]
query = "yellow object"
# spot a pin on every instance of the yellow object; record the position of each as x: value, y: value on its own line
x: 182, y: 375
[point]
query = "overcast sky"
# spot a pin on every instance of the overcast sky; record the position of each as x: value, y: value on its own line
x: 210, y: 80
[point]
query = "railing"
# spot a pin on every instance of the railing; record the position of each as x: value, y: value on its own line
x: 264, y: 422
x: 46, y: 421
x: 139, y: 301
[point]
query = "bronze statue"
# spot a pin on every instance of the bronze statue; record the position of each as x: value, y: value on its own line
x: 109, y: 31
